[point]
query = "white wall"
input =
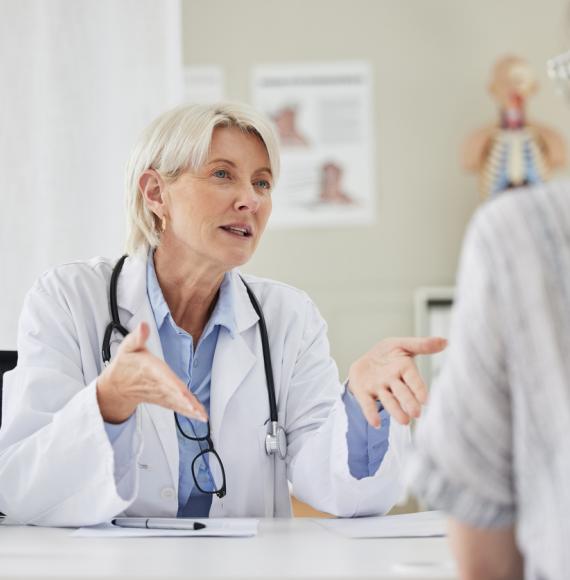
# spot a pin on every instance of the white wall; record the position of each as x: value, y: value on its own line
x: 431, y: 61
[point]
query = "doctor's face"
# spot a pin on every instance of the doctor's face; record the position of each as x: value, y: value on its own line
x: 218, y: 212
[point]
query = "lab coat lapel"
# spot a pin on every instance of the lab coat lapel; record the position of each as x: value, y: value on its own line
x: 133, y: 301
x: 233, y: 359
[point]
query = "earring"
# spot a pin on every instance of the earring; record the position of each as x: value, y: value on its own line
x: 163, y: 224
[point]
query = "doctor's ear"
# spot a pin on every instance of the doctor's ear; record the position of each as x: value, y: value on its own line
x: 151, y: 185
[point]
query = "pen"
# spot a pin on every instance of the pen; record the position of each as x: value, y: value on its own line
x: 158, y: 524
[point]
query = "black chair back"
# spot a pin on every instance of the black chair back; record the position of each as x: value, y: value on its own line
x: 8, y: 360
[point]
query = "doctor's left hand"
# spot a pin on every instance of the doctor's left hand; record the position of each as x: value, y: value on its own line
x: 388, y: 373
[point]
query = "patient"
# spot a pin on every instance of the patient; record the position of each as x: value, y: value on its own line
x: 493, y: 450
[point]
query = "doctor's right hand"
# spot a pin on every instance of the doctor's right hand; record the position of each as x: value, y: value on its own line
x: 135, y: 376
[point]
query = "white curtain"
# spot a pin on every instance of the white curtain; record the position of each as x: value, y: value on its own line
x: 80, y: 79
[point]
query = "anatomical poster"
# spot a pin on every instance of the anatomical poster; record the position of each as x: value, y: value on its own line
x: 323, y: 116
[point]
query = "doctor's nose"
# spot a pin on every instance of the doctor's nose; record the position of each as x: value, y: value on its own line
x: 247, y: 200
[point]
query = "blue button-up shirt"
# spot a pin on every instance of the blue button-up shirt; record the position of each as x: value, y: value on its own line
x: 193, y: 365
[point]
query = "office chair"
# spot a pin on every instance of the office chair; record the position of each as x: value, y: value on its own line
x: 8, y: 360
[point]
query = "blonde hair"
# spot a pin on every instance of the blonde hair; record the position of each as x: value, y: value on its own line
x: 179, y: 140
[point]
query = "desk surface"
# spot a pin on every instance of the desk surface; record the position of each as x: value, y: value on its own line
x: 284, y: 549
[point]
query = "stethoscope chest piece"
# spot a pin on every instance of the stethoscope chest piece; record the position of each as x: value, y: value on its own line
x: 276, y: 441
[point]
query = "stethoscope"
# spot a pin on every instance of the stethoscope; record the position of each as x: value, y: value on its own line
x: 276, y: 439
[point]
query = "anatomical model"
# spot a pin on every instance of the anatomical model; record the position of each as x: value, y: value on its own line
x: 513, y: 152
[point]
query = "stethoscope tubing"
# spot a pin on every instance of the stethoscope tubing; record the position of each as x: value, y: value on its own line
x: 115, y: 323
x: 273, y: 442
x: 266, y: 353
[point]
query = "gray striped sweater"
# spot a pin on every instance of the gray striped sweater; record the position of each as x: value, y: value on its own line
x: 493, y: 448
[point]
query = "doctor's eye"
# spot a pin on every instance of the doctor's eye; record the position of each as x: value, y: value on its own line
x: 263, y: 184
x: 221, y: 173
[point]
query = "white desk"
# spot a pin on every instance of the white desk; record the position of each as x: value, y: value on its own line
x: 295, y: 549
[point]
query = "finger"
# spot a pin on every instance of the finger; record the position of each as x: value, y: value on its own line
x: 135, y: 341
x: 392, y: 406
x: 195, y: 403
x: 163, y: 387
x: 142, y: 335
x: 369, y: 409
x: 183, y: 406
x: 413, y: 379
x: 175, y: 395
x: 406, y: 398
x: 181, y: 396
x: 179, y: 404
x: 421, y: 344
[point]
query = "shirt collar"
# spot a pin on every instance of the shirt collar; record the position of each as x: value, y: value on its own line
x: 224, y: 311
x: 157, y: 301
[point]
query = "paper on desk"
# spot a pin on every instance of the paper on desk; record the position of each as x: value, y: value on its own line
x: 222, y: 527
x: 419, y: 525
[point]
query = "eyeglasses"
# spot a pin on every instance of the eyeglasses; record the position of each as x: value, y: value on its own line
x: 558, y: 69
x: 207, y: 467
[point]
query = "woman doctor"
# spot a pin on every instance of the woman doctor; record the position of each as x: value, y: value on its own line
x: 82, y: 442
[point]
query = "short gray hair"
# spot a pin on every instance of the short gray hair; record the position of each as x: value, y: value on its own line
x: 178, y: 140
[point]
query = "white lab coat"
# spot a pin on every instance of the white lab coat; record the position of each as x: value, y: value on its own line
x: 57, y: 465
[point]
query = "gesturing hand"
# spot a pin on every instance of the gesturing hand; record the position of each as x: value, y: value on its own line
x: 136, y: 376
x: 388, y: 373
